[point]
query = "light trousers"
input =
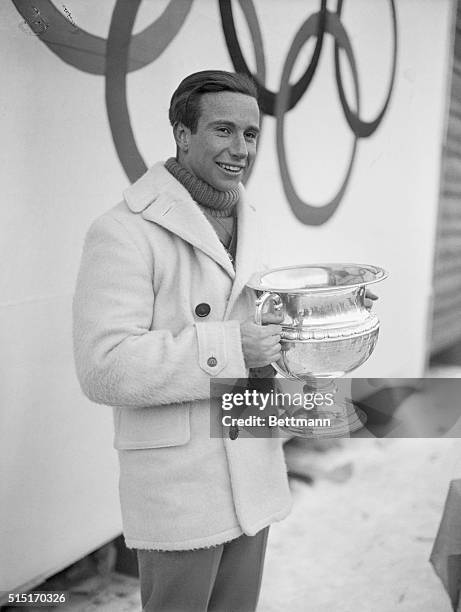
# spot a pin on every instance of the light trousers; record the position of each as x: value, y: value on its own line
x: 224, y: 578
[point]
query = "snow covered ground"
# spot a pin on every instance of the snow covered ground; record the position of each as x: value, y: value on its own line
x: 363, y: 544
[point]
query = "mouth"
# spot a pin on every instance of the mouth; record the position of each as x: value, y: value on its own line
x: 231, y: 169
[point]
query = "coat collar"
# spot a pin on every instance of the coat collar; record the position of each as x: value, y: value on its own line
x: 160, y: 198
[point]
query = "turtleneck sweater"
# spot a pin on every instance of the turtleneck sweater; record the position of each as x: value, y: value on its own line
x: 218, y: 206
x: 218, y: 203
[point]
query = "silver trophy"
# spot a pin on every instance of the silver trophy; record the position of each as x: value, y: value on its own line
x: 327, y: 331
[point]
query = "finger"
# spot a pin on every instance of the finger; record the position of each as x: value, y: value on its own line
x: 272, y: 330
x: 272, y: 317
x: 370, y: 295
x: 272, y: 343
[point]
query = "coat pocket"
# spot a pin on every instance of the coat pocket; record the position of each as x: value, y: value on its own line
x: 152, y: 427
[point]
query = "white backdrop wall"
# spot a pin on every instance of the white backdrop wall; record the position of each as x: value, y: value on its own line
x: 60, y: 170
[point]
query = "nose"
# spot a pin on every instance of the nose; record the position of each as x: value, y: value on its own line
x: 238, y: 147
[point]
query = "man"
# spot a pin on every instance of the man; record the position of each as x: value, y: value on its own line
x: 160, y: 308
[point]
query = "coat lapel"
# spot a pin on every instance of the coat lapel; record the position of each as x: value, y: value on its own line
x: 160, y: 198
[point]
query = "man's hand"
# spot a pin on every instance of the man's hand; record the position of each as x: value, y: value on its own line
x: 261, y: 343
x: 369, y: 298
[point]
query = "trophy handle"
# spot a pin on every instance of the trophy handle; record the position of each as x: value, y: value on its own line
x: 261, y: 302
x: 278, y: 305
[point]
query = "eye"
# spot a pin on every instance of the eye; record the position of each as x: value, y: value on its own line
x: 224, y: 130
x: 251, y: 136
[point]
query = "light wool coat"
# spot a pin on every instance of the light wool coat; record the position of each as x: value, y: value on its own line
x: 140, y: 347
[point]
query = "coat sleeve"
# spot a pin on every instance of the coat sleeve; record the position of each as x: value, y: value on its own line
x: 119, y: 360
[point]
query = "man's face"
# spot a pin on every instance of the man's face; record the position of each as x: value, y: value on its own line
x: 223, y: 147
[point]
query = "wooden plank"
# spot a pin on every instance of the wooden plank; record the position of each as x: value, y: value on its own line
x: 451, y: 173
x: 445, y: 287
x: 447, y: 306
x: 451, y: 151
x: 449, y: 205
x: 442, y: 339
x: 455, y: 107
x: 446, y: 324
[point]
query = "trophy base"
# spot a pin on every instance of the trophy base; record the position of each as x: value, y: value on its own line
x: 343, y: 420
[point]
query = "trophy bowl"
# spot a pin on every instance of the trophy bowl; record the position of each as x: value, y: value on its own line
x: 327, y: 331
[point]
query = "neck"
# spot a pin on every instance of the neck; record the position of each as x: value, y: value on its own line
x: 218, y: 203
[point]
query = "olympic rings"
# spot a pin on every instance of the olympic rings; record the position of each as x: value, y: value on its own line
x: 248, y: 10
x: 363, y: 129
x: 306, y: 213
x: 258, y: 46
x: 267, y: 99
x: 89, y: 55
x: 118, y: 44
x: 121, y: 53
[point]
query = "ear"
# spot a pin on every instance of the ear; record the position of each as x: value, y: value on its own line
x: 182, y: 136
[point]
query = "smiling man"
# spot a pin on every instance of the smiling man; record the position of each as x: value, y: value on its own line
x: 160, y: 308
x: 220, y: 145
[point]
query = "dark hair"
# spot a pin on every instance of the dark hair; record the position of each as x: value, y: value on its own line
x: 185, y: 101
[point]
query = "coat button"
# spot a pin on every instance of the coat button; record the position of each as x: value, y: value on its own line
x: 212, y: 362
x: 203, y: 309
x: 234, y: 432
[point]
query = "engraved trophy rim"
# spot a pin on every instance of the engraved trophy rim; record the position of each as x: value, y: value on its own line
x: 289, y: 279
